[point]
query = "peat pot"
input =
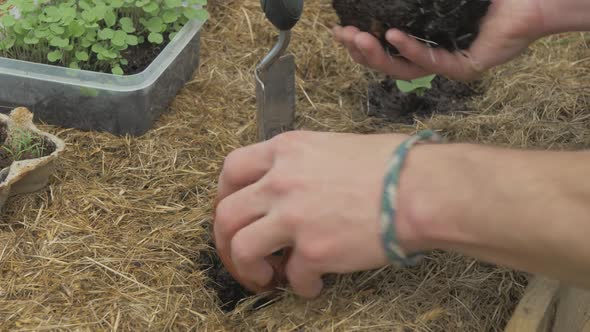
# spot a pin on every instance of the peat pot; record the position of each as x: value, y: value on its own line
x: 28, y: 175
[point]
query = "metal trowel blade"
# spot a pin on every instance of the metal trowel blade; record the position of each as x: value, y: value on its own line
x: 275, y: 98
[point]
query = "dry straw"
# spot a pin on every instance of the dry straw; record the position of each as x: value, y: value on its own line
x: 114, y: 242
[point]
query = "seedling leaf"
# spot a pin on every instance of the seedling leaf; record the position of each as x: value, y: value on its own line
x: 155, y: 38
x: 54, y: 56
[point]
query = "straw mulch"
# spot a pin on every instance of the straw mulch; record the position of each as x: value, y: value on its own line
x: 114, y: 242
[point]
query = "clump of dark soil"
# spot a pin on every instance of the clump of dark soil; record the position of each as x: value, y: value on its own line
x: 37, y: 147
x: 386, y: 101
x: 228, y: 290
x: 451, y: 24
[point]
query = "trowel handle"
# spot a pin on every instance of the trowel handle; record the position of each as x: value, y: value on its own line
x: 283, y: 14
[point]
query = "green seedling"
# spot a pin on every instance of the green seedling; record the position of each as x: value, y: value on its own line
x: 90, y: 34
x: 23, y: 144
x: 418, y: 86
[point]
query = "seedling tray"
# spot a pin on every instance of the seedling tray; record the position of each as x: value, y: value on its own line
x: 85, y: 100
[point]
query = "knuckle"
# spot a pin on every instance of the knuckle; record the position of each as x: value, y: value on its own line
x: 231, y: 165
x: 293, y: 143
x: 281, y: 183
x: 287, y: 147
x: 291, y: 218
x: 312, y: 252
x: 240, y: 251
x: 288, y: 139
x: 223, y: 216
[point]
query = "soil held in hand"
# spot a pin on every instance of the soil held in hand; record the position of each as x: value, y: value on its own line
x: 451, y: 24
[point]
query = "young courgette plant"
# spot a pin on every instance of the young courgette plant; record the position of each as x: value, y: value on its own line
x: 418, y: 86
x: 90, y: 34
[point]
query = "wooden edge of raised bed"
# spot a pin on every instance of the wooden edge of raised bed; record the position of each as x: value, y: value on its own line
x: 549, y: 306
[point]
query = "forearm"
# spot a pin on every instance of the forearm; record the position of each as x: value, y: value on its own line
x: 565, y: 15
x: 525, y: 210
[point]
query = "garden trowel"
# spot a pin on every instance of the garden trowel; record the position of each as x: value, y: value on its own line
x: 275, y: 75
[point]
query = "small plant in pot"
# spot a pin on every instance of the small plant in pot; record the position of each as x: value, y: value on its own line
x: 22, y: 145
x: 108, y: 65
x: 27, y: 154
x: 418, y: 86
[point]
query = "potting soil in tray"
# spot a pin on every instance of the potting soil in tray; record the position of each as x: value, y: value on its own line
x: 139, y: 57
x: 450, y: 24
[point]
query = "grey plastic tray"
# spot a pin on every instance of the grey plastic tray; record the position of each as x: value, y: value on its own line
x: 88, y: 100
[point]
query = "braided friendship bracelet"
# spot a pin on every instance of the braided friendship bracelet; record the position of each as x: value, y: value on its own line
x: 389, y: 205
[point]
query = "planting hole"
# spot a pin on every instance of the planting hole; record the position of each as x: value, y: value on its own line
x: 386, y: 101
x: 229, y: 292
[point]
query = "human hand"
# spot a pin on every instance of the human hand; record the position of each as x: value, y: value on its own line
x: 507, y: 29
x: 315, y: 193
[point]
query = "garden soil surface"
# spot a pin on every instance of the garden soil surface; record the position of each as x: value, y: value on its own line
x: 120, y: 239
x: 448, y: 97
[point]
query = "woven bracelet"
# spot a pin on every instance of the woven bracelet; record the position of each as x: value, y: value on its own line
x: 395, y: 253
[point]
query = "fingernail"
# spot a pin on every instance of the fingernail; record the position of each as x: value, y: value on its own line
x: 389, y: 34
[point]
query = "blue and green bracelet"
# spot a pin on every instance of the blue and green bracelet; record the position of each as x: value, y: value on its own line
x: 395, y: 253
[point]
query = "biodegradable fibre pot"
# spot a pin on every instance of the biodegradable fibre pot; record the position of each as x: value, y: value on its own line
x: 26, y: 176
x: 277, y: 262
